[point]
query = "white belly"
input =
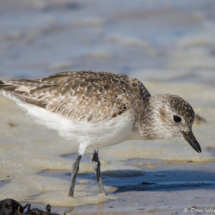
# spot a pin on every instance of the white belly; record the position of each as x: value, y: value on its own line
x: 105, y: 133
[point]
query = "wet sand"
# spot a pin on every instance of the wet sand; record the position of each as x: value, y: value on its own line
x: 169, y: 46
x: 159, y: 176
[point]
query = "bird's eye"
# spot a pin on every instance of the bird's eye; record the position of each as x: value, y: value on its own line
x: 177, y: 118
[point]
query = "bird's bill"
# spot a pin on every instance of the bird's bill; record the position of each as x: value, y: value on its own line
x: 190, y: 138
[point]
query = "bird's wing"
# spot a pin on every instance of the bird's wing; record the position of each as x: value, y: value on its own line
x: 82, y: 95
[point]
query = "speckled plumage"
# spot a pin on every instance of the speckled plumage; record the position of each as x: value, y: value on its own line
x: 101, y: 109
x: 95, y: 97
x: 183, y: 108
x: 83, y: 95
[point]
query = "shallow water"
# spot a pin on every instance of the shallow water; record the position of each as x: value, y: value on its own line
x: 169, y: 45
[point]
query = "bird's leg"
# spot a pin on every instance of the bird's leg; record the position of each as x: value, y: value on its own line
x: 75, y: 168
x: 96, y: 166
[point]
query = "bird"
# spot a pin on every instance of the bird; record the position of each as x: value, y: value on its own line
x: 98, y: 109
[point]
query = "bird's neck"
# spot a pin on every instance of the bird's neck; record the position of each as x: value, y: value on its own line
x: 147, y: 122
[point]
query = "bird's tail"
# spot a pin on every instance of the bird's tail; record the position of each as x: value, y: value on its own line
x: 1, y: 84
x: 6, y: 87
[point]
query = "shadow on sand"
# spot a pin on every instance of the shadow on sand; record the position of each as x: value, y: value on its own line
x: 135, y: 180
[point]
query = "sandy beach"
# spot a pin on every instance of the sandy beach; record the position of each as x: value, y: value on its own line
x: 168, y: 45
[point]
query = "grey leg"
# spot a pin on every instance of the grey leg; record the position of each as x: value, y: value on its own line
x: 96, y: 166
x: 75, y: 169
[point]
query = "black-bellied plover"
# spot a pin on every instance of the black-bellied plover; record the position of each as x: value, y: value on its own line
x: 101, y: 109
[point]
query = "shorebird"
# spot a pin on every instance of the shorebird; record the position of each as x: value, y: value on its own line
x: 101, y: 109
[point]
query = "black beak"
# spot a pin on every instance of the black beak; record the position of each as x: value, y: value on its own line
x: 190, y: 138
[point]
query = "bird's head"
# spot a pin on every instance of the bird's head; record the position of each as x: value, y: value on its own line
x: 171, y: 117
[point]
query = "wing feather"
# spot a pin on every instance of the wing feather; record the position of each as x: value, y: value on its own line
x: 83, y: 95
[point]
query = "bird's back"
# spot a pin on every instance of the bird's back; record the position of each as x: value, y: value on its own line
x: 91, y: 108
x: 81, y: 95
